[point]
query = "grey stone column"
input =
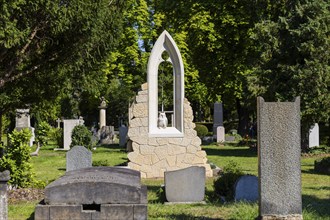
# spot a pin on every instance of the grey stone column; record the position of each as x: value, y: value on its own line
x: 279, y: 160
x: 4, y: 177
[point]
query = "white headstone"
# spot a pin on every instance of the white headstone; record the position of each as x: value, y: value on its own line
x: 314, y: 136
x: 68, y: 125
x: 220, y: 134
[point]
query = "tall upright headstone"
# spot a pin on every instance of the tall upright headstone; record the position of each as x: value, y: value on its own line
x: 68, y: 125
x: 23, y: 121
x: 217, y: 117
x: 122, y: 135
x: 314, y: 138
x: 4, y: 178
x: 279, y: 160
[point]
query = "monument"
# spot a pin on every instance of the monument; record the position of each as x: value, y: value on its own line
x: 279, y: 160
x: 217, y: 119
x: 95, y: 193
x: 157, y: 145
x: 185, y: 185
x: 103, y: 106
x: 78, y: 157
x: 314, y: 137
x: 23, y: 121
x: 68, y: 125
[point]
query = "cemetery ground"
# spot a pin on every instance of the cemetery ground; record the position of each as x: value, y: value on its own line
x: 50, y: 165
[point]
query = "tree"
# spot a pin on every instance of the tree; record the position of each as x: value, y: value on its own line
x: 294, y: 58
x: 45, y: 43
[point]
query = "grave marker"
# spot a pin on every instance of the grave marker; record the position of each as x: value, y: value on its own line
x: 68, y: 125
x: 220, y: 134
x: 314, y: 138
x: 23, y: 121
x: 185, y: 185
x: 77, y: 158
x: 279, y: 159
x: 95, y: 193
x: 217, y: 117
x: 246, y: 188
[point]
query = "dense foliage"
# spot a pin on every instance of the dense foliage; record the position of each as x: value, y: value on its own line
x: 42, y: 132
x: 233, y: 51
x: 201, y: 130
x: 17, y: 160
x: 81, y: 136
x: 225, y: 183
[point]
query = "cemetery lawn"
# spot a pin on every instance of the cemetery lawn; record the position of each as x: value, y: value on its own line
x: 50, y: 165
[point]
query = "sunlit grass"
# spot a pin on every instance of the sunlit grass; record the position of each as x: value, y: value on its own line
x: 50, y: 164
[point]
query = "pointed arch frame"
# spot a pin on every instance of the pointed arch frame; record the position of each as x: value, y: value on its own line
x: 165, y: 43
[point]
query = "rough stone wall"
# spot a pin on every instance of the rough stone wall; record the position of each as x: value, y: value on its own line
x: 152, y: 156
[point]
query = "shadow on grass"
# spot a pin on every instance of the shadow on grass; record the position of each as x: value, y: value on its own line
x: 160, y: 198
x: 239, y: 152
x: 316, y: 205
x: 312, y: 171
x: 189, y: 217
x: 31, y: 216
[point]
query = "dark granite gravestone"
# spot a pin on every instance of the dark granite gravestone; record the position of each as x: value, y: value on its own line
x: 95, y: 193
x: 185, y: 185
x: 77, y: 158
x: 217, y: 117
x: 279, y: 160
x: 246, y: 188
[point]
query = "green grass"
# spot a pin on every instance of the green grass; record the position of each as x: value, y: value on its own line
x: 50, y: 164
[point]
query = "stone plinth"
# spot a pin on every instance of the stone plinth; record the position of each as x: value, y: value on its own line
x: 152, y: 156
x: 95, y: 193
x: 4, y: 178
x: 279, y: 160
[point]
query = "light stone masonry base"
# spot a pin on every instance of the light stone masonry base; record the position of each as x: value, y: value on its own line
x: 152, y: 156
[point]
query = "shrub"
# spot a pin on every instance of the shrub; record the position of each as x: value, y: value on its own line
x: 322, y: 165
x: 81, y: 136
x: 56, y: 134
x: 42, y: 132
x: 101, y: 163
x: 201, y: 130
x: 224, y: 184
x: 17, y: 160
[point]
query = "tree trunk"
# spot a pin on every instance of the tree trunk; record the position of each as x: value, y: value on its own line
x: 243, y: 119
